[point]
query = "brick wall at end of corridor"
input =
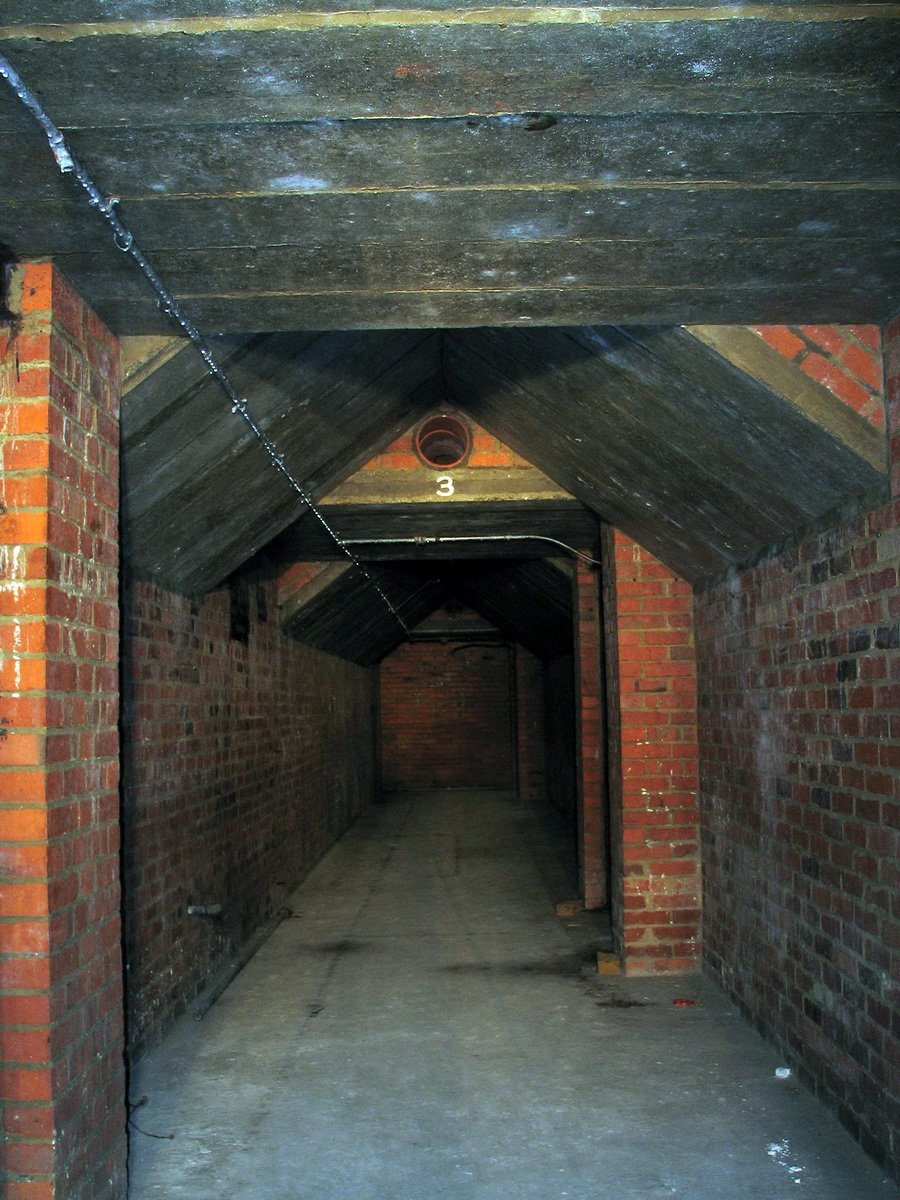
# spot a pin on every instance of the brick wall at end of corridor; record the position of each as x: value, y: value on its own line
x: 62, y: 1086
x: 447, y: 717
x: 653, y: 733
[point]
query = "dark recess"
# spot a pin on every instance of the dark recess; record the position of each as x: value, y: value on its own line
x: 7, y: 262
x: 239, y: 609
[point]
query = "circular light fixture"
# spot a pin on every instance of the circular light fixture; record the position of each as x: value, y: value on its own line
x: 443, y: 441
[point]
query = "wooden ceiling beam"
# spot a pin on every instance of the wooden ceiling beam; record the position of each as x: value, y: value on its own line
x: 294, y: 158
x: 595, y: 210
x: 575, y: 264
x: 445, y: 61
x: 569, y: 522
x: 294, y: 167
x: 523, y: 307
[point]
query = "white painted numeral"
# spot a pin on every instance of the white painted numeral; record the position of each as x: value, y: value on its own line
x: 445, y: 485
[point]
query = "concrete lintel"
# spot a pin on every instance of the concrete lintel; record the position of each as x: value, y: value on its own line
x: 141, y: 356
x: 303, y: 596
x: 747, y: 351
x: 422, y: 485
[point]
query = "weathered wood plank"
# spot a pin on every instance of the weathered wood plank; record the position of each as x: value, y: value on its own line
x: 699, y: 465
x: 192, y: 428
x: 330, y: 155
x: 416, y: 63
x: 141, y: 356
x: 349, y: 618
x: 738, y: 424
x: 303, y: 597
x: 594, y: 212
x: 324, y: 418
x: 214, y: 525
x: 625, y: 426
x: 530, y: 602
x: 637, y: 505
x: 746, y: 350
x: 471, y: 485
x: 149, y: 402
x: 688, y: 304
x: 464, y: 265
x: 77, y: 12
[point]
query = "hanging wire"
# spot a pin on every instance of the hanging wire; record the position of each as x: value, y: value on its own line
x: 124, y: 239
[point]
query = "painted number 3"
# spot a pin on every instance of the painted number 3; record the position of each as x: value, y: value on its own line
x: 445, y: 485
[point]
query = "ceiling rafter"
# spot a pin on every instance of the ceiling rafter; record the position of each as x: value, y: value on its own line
x: 323, y: 190
x: 304, y: 168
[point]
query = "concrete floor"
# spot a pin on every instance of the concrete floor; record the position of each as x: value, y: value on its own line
x: 425, y: 1026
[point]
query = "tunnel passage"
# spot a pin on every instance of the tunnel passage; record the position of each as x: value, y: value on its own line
x: 462, y: 706
x: 483, y: 691
x: 686, y: 440
x: 247, y: 757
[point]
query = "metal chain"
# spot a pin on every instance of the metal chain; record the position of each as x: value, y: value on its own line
x: 124, y: 240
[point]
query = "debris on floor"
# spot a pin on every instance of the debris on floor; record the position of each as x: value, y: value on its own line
x: 780, y: 1152
x: 608, y: 963
x: 621, y: 1002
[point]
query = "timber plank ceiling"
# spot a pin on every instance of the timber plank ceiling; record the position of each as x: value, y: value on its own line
x: 652, y: 430
x: 290, y: 166
x: 556, y: 218
x: 527, y: 601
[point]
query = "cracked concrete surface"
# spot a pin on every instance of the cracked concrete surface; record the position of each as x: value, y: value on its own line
x: 425, y: 1026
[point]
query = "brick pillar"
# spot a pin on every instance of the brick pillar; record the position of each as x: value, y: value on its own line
x: 891, y: 345
x: 62, y: 1073
x: 589, y: 740
x: 649, y: 616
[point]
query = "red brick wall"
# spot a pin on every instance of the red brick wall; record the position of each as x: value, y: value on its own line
x: 446, y: 717
x: 61, y: 1078
x: 844, y: 358
x: 243, y: 764
x: 487, y: 451
x: 800, y: 748
x: 653, y: 766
